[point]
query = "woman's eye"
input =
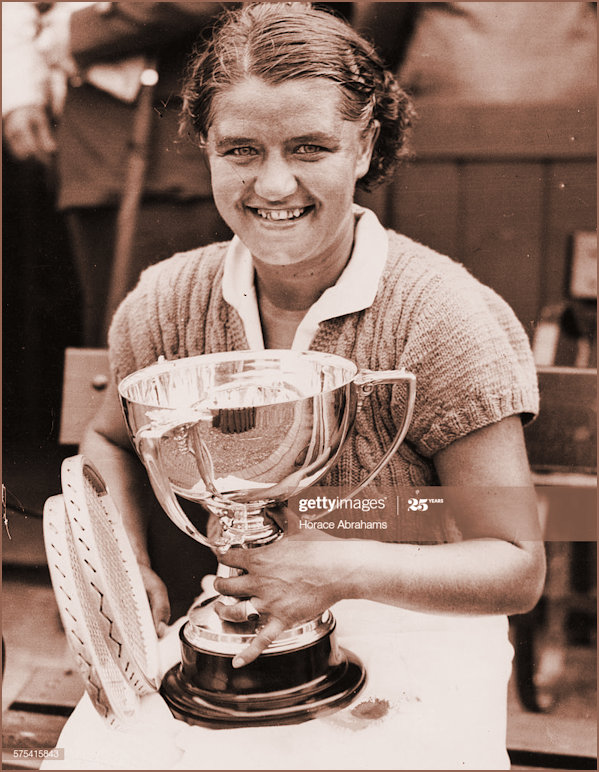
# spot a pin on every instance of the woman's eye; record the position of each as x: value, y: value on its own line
x: 242, y: 152
x: 310, y: 149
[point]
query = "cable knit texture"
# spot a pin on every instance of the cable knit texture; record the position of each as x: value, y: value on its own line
x: 469, y: 353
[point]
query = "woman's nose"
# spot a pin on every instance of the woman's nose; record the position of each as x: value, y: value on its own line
x: 275, y: 179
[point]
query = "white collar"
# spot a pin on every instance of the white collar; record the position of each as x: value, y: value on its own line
x: 354, y: 290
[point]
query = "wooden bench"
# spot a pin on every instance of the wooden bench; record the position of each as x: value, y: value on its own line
x: 566, y: 743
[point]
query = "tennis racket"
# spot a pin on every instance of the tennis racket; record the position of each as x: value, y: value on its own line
x: 108, y: 689
x: 115, y: 586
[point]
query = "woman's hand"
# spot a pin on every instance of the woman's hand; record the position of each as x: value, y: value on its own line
x: 289, y: 581
x: 158, y: 598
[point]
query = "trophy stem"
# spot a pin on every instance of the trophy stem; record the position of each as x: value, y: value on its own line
x: 247, y: 525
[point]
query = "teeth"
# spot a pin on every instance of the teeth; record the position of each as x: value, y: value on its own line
x: 280, y: 214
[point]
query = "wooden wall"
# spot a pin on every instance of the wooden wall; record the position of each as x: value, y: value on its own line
x: 501, y: 189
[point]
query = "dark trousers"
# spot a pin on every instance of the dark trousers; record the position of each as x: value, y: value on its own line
x: 163, y: 228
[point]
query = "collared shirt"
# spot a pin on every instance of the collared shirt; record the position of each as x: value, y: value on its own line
x: 354, y: 290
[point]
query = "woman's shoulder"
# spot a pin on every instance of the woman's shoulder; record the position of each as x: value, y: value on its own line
x: 203, y: 260
x: 423, y: 279
x: 416, y: 262
x: 184, y: 280
x: 468, y: 350
x: 432, y: 298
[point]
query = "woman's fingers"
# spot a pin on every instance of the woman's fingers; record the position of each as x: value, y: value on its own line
x: 28, y: 133
x: 238, y: 586
x: 242, y: 611
x: 236, y: 557
x: 270, y: 632
x: 249, y: 610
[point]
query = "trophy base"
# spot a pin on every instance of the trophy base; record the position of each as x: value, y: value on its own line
x: 288, y: 706
x: 305, y: 675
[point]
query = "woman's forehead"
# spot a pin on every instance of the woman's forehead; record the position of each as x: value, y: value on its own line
x: 310, y: 103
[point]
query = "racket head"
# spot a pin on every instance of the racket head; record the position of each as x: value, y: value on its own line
x: 109, y: 565
x: 108, y: 689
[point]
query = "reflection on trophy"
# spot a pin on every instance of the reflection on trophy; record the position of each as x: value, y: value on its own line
x: 240, y: 432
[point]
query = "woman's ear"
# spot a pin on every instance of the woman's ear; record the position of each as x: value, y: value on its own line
x: 367, y: 143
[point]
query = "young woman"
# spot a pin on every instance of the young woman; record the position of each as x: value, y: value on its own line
x: 293, y: 110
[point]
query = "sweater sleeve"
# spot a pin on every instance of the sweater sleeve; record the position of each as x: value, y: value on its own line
x: 471, y: 358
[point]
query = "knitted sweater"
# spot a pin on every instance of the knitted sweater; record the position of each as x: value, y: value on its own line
x: 469, y: 353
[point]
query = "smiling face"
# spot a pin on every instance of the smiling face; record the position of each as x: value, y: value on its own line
x: 284, y: 163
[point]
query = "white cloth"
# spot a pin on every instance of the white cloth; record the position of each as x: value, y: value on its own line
x: 354, y: 290
x: 24, y: 72
x: 441, y: 682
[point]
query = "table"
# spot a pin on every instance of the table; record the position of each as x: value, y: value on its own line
x: 435, y: 698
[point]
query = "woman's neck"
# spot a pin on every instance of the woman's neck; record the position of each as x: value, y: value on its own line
x: 298, y: 286
x: 288, y: 293
x: 278, y: 325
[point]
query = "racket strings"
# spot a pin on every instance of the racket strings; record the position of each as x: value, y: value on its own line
x: 109, y: 692
x: 119, y: 585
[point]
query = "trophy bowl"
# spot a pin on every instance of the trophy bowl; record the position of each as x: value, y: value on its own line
x: 239, y: 432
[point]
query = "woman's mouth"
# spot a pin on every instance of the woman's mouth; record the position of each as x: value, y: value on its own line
x: 281, y: 215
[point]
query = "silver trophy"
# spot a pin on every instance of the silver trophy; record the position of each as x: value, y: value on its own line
x: 239, y: 433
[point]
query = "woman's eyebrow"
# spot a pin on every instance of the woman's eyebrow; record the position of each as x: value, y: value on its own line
x: 317, y: 138
x: 229, y: 141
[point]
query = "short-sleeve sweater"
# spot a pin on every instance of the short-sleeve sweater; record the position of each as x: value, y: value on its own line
x: 469, y: 353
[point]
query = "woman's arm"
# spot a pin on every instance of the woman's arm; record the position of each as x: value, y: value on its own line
x: 106, y: 444
x: 498, y: 568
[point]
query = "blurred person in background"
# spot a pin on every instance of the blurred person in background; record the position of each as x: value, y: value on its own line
x: 41, y: 313
x: 116, y: 140
x: 487, y: 52
x: 26, y: 96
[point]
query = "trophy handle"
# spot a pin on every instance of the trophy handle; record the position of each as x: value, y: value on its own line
x: 365, y: 382
x: 148, y: 446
